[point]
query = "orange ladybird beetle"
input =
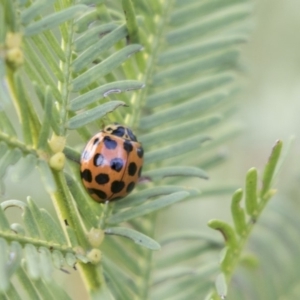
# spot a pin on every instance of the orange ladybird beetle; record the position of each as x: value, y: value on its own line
x: 111, y: 163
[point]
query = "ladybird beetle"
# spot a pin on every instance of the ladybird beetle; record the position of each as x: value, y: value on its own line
x: 111, y: 163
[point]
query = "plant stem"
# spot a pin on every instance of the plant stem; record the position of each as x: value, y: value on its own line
x: 66, y: 208
x: 92, y: 278
x: 235, y: 256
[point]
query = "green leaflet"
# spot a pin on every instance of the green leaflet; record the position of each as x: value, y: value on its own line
x: 180, y: 255
x: 140, y: 197
x: 45, y: 129
x: 72, y: 154
x: 227, y: 232
x: 195, y: 10
x: 270, y: 168
x: 158, y: 174
x: 175, y: 149
x: 221, y: 286
x: 105, y: 67
x: 210, y: 46
x: 88, y: 211
x: 91, y: 53
x: 10, y: 158
x: 173, y: 274
x: 32, y: 263
x: 104, y: 91
x: 82, y: 23
x: 46, y: 176
x: 6, y: 123
x: 12, y: 293
x: 71, y: 259
x: 93, y: 114
x: 136, y: 236
x: 209, y: 24
x: 116, y: 277
x: 179, y: 131
x: 46, y: 264
x: 147, y: 208
x: 16, y: 254
x: 54, y: 19
x: 27, y: 284
x: 4, y: 224
x: 4, y: 279
x: 51, y: 229
x: 182, y: 71
x: 125, y: 259
x: 34, y: 9
x: 251, y: 193
x: 131, y: 22
x: 58, y: 291
x: 58, y: 259
x: 90, y: 37
x: 190, y: 89
x: 35, y: 66
x: 10, y: 16
x: 54, y: 44
x: 184, y: 110
x: 191, y: 235
x: 49, y: 57
x: 238, y: 213
x: 17, y: 228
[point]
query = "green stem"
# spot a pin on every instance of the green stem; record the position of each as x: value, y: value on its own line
x: 235, y: 254
x: 95, y: 282
x: 132, y: 27
x: 14, y: 143
x: 23, y: 240
x: 66, y: 208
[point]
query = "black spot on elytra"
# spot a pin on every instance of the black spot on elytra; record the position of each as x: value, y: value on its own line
x: 102, y: 195
x: 86, y: 174
x: 120, y: 131
x: 131, y: 135
x: 109, y: 129
x: 96, y: 140
x: 140, y: 172
x: 117, y: 164
x: 102, y: 178
x: 140, y: 152
x: 130, y: 187
x: 127, y: 146
x: 98, y: 159
x: 117, y: 186
x: 109, y: 143
x: 132, y: 169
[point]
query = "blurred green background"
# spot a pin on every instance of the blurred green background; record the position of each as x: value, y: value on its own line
x: 269, y: 109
